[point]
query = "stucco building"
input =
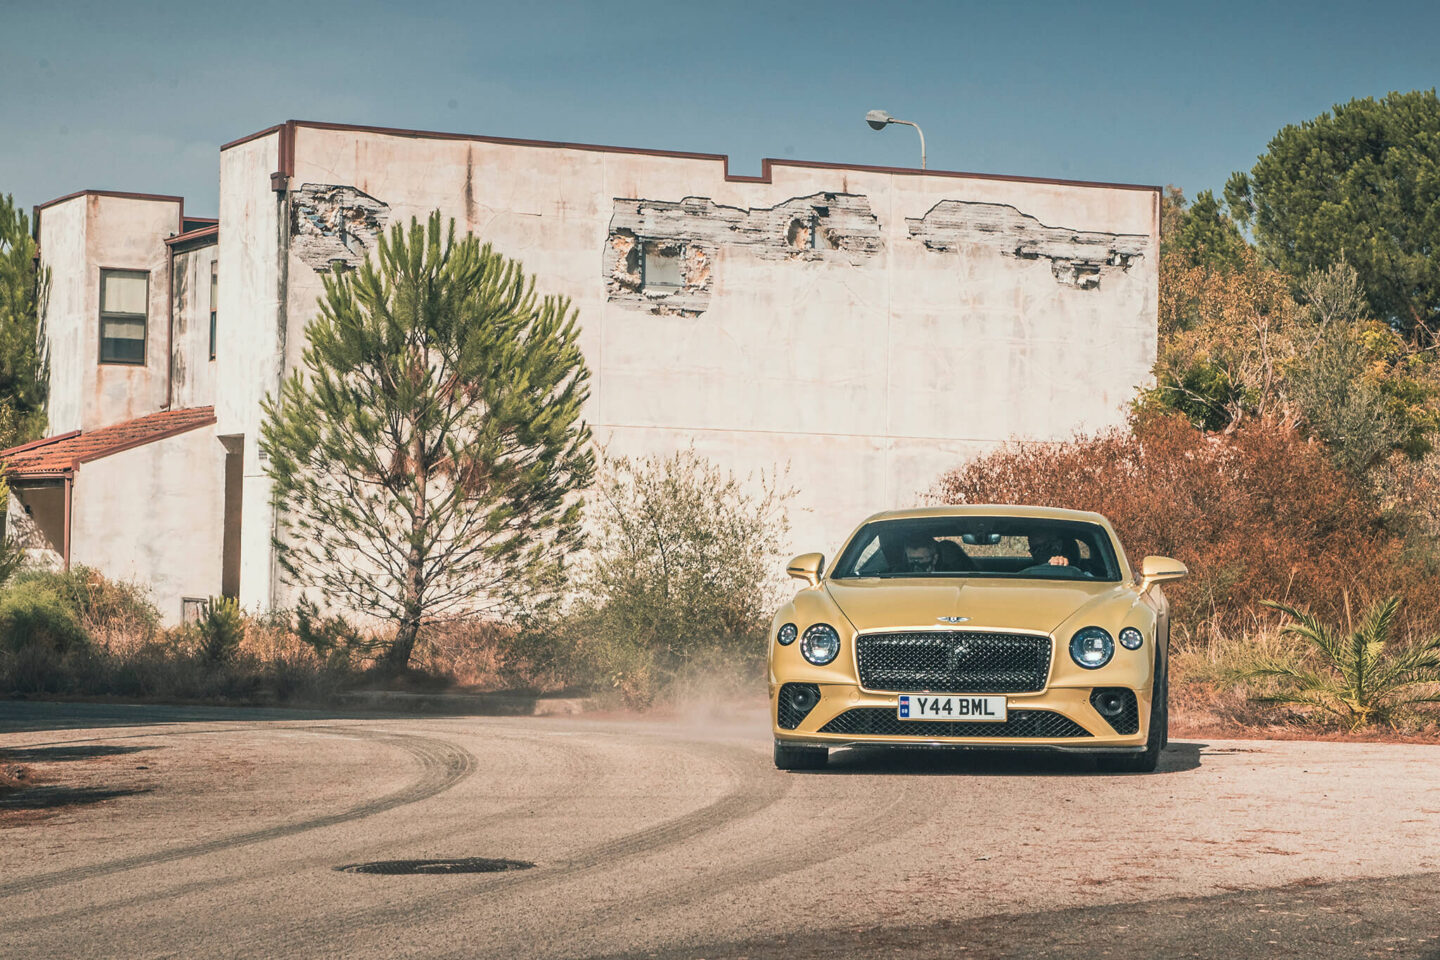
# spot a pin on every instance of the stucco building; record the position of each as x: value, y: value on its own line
x: 868, y: 327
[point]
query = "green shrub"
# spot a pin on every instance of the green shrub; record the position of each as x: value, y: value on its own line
x: 221, y: 629
x: 682, y: 580
x: 32, y: 616
x: 110, y: 610
x: 334, y: 639
x: 1352, y: 674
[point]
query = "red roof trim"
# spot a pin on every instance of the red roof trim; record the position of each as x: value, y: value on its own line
x: 766, y: 166
x: 132, y: 444
x: 112, y: 193
x: 39, y: 443
x: 253, y: 136
x: 62, y: 454
x: 200, y: 233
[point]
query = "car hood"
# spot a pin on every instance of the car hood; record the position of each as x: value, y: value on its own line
x: 1001, y: 604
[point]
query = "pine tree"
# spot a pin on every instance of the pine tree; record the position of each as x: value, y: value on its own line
x: 427, y: 459
x: 24, y: 374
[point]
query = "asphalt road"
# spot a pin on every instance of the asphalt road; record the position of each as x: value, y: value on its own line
x: 220, y: 833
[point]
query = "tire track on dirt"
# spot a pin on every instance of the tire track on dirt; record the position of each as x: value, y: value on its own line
x: 742, y: 800
x: 905, y: 811
x: 442, y: 766
x: 571, y: 755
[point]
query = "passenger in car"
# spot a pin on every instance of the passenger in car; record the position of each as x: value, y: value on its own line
x: 921, y: 552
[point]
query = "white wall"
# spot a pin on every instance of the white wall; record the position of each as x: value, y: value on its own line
x: 248, y: 347
x: 193, y: 373
x: 868, y: 373
x: 119, y: 233
x: 152, y: 514
x: 62, y: 251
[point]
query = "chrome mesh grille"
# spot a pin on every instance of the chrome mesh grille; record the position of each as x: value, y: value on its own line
x: 953, y: 662
x: 882, y: 722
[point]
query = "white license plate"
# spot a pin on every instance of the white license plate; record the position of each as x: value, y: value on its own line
x: 981, y: 709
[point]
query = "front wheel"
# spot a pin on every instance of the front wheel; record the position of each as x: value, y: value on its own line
x: 789, y: 757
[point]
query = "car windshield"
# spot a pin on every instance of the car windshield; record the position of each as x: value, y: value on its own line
x: 1015, y: 547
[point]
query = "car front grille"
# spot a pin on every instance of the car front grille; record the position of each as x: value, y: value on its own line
x: 882, y: 722
x: 953, y: 662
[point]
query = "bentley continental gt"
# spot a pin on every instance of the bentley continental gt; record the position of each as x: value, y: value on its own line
x: 974, y: 626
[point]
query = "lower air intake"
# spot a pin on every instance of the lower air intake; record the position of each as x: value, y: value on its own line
x: 882, y: 722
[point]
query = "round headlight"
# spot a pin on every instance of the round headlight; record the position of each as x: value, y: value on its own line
x: 821, y: 644
x: 786, y: 635
x: 1130, y: 638
x: 1091, y: 648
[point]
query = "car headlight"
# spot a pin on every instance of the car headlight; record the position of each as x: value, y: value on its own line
x: 786, y: 635
x: 1130, y: 638
x: 1091, y: 648
x: 821, y: 644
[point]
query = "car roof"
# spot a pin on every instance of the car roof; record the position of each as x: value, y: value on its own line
x: 990, y: 510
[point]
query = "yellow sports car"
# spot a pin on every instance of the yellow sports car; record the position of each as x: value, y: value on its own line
x: 975, y: 626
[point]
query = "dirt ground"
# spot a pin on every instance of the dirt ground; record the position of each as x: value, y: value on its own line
x: 201, y: 832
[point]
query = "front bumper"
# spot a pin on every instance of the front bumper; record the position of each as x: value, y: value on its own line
x: 1059, y: 718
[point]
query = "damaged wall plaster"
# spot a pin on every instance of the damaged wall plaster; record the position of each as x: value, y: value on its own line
x: 821, y: 226
x: 330, y: 223
x: 1077, y: 258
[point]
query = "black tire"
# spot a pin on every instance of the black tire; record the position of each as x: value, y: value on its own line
x: 1149, y: 759
x: 789, y: 757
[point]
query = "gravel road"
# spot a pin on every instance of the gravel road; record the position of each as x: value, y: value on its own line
x: 204, y: 832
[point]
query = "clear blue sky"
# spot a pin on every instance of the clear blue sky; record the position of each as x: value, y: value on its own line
x: 138, y: 94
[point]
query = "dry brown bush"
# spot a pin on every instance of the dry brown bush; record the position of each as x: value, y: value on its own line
x: 472, y: 653
x: 1258, y: 513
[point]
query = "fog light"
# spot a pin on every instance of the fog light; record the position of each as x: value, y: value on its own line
x: 1130, y: 638
x: 1109, y: 704
x: 1092, y: 648
x: 821, y: 644
x: 803, y: 697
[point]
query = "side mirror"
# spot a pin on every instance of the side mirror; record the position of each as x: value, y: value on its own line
x: 807, y: 567
x: 1155, y: 570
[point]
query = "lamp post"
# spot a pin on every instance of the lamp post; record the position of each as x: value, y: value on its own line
x: 880, y: 119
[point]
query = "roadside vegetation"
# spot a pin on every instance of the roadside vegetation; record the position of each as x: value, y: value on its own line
x: 1287, y: 449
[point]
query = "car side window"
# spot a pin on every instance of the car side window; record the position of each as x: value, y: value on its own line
x: 872, y: 560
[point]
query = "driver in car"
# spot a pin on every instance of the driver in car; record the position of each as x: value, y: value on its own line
x: 1047, y: 548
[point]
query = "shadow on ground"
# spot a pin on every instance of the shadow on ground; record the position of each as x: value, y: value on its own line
x: 49, y: 797
x: 944, y: 761
x: 32, y: 716
x: 1387, y: 917
x: 85, y: 751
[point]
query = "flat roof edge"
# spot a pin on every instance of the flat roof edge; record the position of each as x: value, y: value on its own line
x: 118, y: 194
x: 767, y: 165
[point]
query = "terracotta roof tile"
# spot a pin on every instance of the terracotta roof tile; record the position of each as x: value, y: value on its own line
x: 65, y: 452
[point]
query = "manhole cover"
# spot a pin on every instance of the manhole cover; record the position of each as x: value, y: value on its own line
x: 460, y: 865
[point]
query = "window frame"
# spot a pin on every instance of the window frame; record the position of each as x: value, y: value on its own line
x: 214, y: 296
x: 119, y: 315
x: 657, y: 289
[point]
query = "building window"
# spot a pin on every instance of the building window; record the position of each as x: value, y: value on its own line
x: 193, y: 609
x: 214, y: 301
x: 124, y: 295
x: 662, y: 267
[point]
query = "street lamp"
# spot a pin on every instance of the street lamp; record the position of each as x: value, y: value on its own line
x: 879, y: 119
